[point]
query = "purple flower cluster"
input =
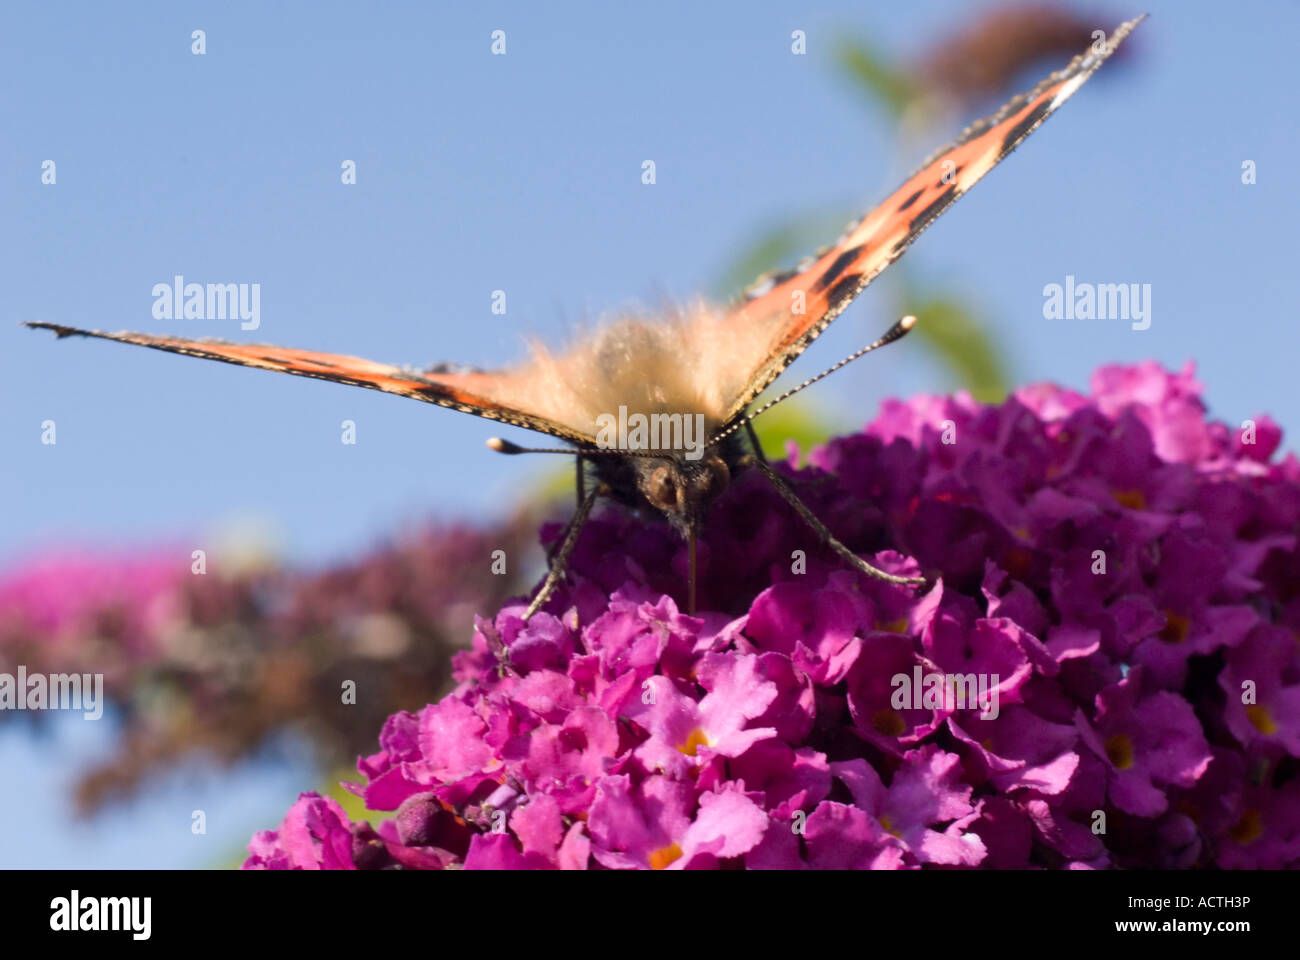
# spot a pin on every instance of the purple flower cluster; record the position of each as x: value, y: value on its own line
x: 1119, y: 574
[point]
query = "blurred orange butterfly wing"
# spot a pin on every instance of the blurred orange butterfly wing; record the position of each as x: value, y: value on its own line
x: 782, y: 314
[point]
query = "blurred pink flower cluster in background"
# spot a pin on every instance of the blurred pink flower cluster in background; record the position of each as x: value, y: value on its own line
x: 216, y: 664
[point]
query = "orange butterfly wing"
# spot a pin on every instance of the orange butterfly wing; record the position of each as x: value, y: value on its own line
x: 768, y: 334
x: 473, y: 392
x: 824, y: 287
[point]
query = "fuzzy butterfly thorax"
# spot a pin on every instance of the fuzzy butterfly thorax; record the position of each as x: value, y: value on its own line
x: 688, y: 363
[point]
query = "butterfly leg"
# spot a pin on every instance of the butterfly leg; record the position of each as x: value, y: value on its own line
x: 754, y: 442
x: 581, y: 487
x: 783, y: 488
x: 556, y: 570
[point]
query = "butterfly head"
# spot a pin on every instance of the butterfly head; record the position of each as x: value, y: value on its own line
x: 681, y: 488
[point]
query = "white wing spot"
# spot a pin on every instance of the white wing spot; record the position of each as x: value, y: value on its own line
x: 1071, y: 85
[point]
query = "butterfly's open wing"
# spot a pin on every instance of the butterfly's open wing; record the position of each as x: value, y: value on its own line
x: 782, y: 314
x: 484, y: 394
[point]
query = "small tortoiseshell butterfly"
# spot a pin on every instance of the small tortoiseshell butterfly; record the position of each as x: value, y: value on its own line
x: 700, y: 366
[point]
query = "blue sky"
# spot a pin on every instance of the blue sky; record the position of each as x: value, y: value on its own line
x: 522, y: 173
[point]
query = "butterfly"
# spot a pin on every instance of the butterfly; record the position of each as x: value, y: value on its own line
x: 657, y: 412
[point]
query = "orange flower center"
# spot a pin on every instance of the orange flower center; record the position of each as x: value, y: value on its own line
x: 1261, y: 719
x: 1133, y: 499
x: 888, y: 722
x: 1176, y: 627
x: 693, y: 742
x: 1248, y: 828
x: 1119, y: 749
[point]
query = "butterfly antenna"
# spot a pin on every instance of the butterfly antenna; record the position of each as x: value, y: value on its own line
x: 896, y: 332
x: 505, y: 446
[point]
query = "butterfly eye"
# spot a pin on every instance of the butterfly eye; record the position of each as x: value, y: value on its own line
x: 717, y: 478
x: 660, y: 488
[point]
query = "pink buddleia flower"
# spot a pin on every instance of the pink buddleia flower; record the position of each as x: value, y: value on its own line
x: 314, y: 835
x: 1109, y: 578
x: 1149, y: 743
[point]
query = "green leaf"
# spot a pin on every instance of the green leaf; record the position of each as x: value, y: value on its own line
x: 874, y: 76
x: 959, y: 340
x: 799, y: 420
x: 352, y: 805
x: 779, y: 247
